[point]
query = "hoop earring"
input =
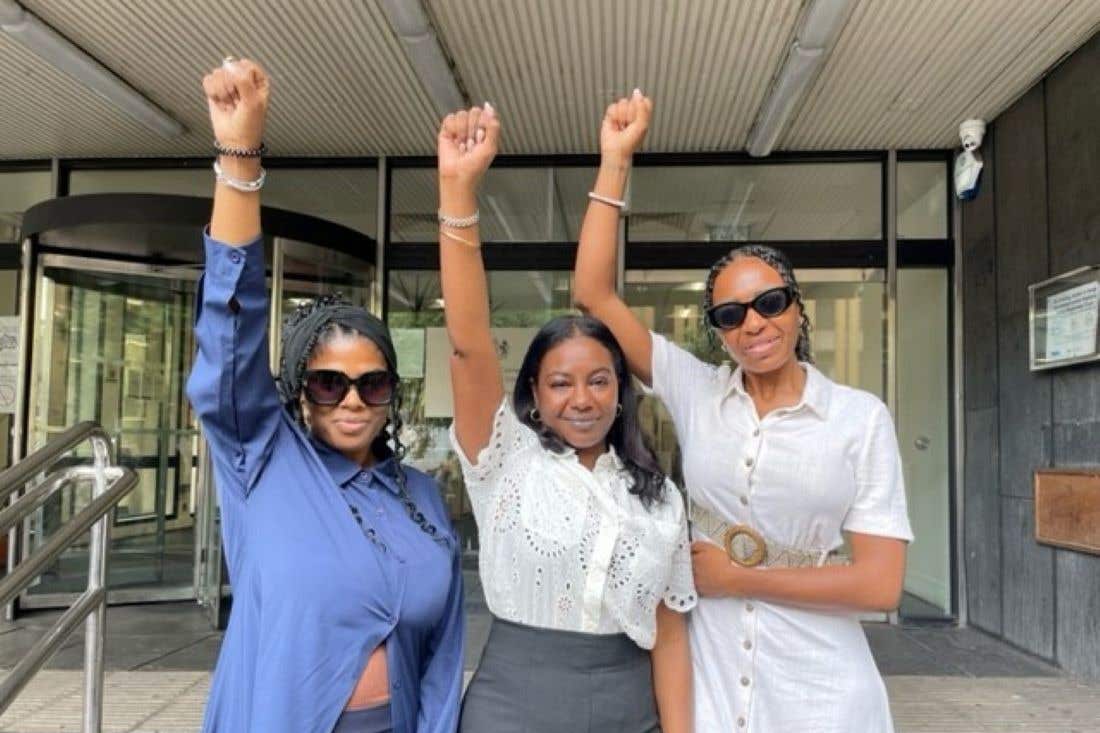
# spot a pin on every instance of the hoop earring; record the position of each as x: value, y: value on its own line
x: 533, y: 413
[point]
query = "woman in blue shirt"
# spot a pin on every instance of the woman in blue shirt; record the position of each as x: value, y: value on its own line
x: 347, y: 608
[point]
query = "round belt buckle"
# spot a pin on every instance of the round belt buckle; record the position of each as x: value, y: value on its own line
x: 745, y: 545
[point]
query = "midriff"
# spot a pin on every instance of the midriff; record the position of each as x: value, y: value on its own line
x: 373, y: 687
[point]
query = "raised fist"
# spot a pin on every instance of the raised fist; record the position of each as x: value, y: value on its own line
x: 624, y: 125
x: 237, y: 93
x: 468, y: 143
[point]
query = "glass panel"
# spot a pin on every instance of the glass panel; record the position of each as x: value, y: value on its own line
x: 521, y: 303
x: 20, y: 190
x: 922, y: 200
x: 347, y: 196
x: 115, y: 347
x: 923, y: 420
x: 760, y: 203
x: 846, y: 308
x: 517, y: 204
x: 310, y: 271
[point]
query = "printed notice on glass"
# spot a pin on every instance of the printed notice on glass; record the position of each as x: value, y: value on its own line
x: 9, y: 359
x: 1071, y: 322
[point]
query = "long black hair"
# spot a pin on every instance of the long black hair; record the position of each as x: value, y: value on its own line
x: 318, y: 322
x: 625, y: 435
x: 778, y: 262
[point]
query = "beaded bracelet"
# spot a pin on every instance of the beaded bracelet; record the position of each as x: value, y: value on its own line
x: 240, y: 152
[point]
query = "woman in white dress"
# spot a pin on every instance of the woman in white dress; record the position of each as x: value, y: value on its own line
x: 584, y: 553
x: 780, y: 463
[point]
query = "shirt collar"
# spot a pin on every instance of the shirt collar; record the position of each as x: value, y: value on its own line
x: 343, y: 469
x: 609, y: 460
x: 815, y: 393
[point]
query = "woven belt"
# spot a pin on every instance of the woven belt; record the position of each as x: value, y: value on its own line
x: 748, y: 548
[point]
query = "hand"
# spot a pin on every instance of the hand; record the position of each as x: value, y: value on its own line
x: 712, y: 569
x: 468, y: 143
x: 237, y: 94
x: 624, y: 126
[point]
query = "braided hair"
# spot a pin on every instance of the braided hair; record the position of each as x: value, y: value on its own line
x: 778, y: 262
x: 319, y: 322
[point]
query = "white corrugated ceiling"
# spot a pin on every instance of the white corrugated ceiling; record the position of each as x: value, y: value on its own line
x: 903, y: 73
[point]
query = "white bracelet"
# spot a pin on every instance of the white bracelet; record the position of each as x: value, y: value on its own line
x: 459, y: 222
x: 237, y: 183
x: 606, y: 200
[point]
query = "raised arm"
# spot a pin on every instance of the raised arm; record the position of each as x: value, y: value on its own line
x: 467, y: 145
x: 237, y: 95
x: 230, y: 386
x: 621, y: 133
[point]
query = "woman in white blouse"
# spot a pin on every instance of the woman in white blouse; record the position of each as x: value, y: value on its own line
x: 780, y: 463
x: 584, y: 553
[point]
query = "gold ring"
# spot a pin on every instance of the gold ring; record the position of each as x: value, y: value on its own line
x: 753, y: 557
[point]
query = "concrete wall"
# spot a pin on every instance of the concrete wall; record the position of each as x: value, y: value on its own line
x: 1037, y: 215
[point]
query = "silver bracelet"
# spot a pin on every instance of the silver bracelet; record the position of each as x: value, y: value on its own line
x: 606, y: 200
x: 459, y: 222
x: 237, y: 183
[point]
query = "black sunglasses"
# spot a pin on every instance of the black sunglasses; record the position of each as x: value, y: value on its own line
x: 769, y: 304
x: 330, y: 387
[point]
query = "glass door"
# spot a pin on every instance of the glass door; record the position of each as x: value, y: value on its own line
x: 113, y: 343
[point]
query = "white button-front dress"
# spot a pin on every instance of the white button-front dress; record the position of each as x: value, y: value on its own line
x: 799, y: 476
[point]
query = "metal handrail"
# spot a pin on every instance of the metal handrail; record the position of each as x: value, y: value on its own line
x: 110, y: 484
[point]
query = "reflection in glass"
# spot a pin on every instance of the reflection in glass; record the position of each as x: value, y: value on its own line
x: 777, y: 202
x: 115, y: 347
x: 922, y: 200
x: 517, y: 204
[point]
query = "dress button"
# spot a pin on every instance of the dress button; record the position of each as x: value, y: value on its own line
x: 756, y: 433
x: 748, y: 607
x: 744, y: 501
x: 749, y: 461
x: 744, y: 681
x: 747, y: 644
x: 740, y: 722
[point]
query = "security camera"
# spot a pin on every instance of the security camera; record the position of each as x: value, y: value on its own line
x: 971, y: 133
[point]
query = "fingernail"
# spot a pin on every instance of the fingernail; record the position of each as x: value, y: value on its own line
x: 489, y: 107
x: 462, y: 147
x: 637, y: 92
x: 480, y: 135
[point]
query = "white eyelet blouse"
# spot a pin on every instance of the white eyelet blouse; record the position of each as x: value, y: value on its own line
x: 570, y: 549
x: 800, y: 476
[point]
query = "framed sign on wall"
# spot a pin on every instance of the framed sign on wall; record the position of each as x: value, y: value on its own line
x: 1064, y: 312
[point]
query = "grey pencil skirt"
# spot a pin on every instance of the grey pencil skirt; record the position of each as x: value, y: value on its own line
x: 533, y: 680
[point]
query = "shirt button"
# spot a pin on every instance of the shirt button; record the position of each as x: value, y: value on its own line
x: 748, y: 607
x: 744, y: 501
x: 756, y: 433
x: 235, y: 257
x: 749, y: 461
x: 747, y: 644
x: 744, y: 681
x: 740, y: 722
x: 397, y: 684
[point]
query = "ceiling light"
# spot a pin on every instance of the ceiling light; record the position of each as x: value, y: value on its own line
x: 59, y: 52
x: 425, y: 53
x: 823, y: 22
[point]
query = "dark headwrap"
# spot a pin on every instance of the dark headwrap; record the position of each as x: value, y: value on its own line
x: 301, y: 331
x: 303, y: 328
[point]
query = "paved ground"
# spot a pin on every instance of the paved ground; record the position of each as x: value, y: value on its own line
x: 941, y: 679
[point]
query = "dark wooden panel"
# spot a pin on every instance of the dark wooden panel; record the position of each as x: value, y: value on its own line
x: 1073, y: 152
x: 982, y: 521
x: 1077, y: 444
x: 1028, y: 580
x: 1025, y: 410
x: 1078, y: 623
x: 1067, y: 509
x: 979, y: 292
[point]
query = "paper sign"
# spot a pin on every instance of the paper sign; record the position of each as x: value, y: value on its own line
x: 1071, y: 322
x: 9, y: 359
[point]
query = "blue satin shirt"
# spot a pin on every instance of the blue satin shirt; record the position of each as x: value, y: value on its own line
x: 312, y: 595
